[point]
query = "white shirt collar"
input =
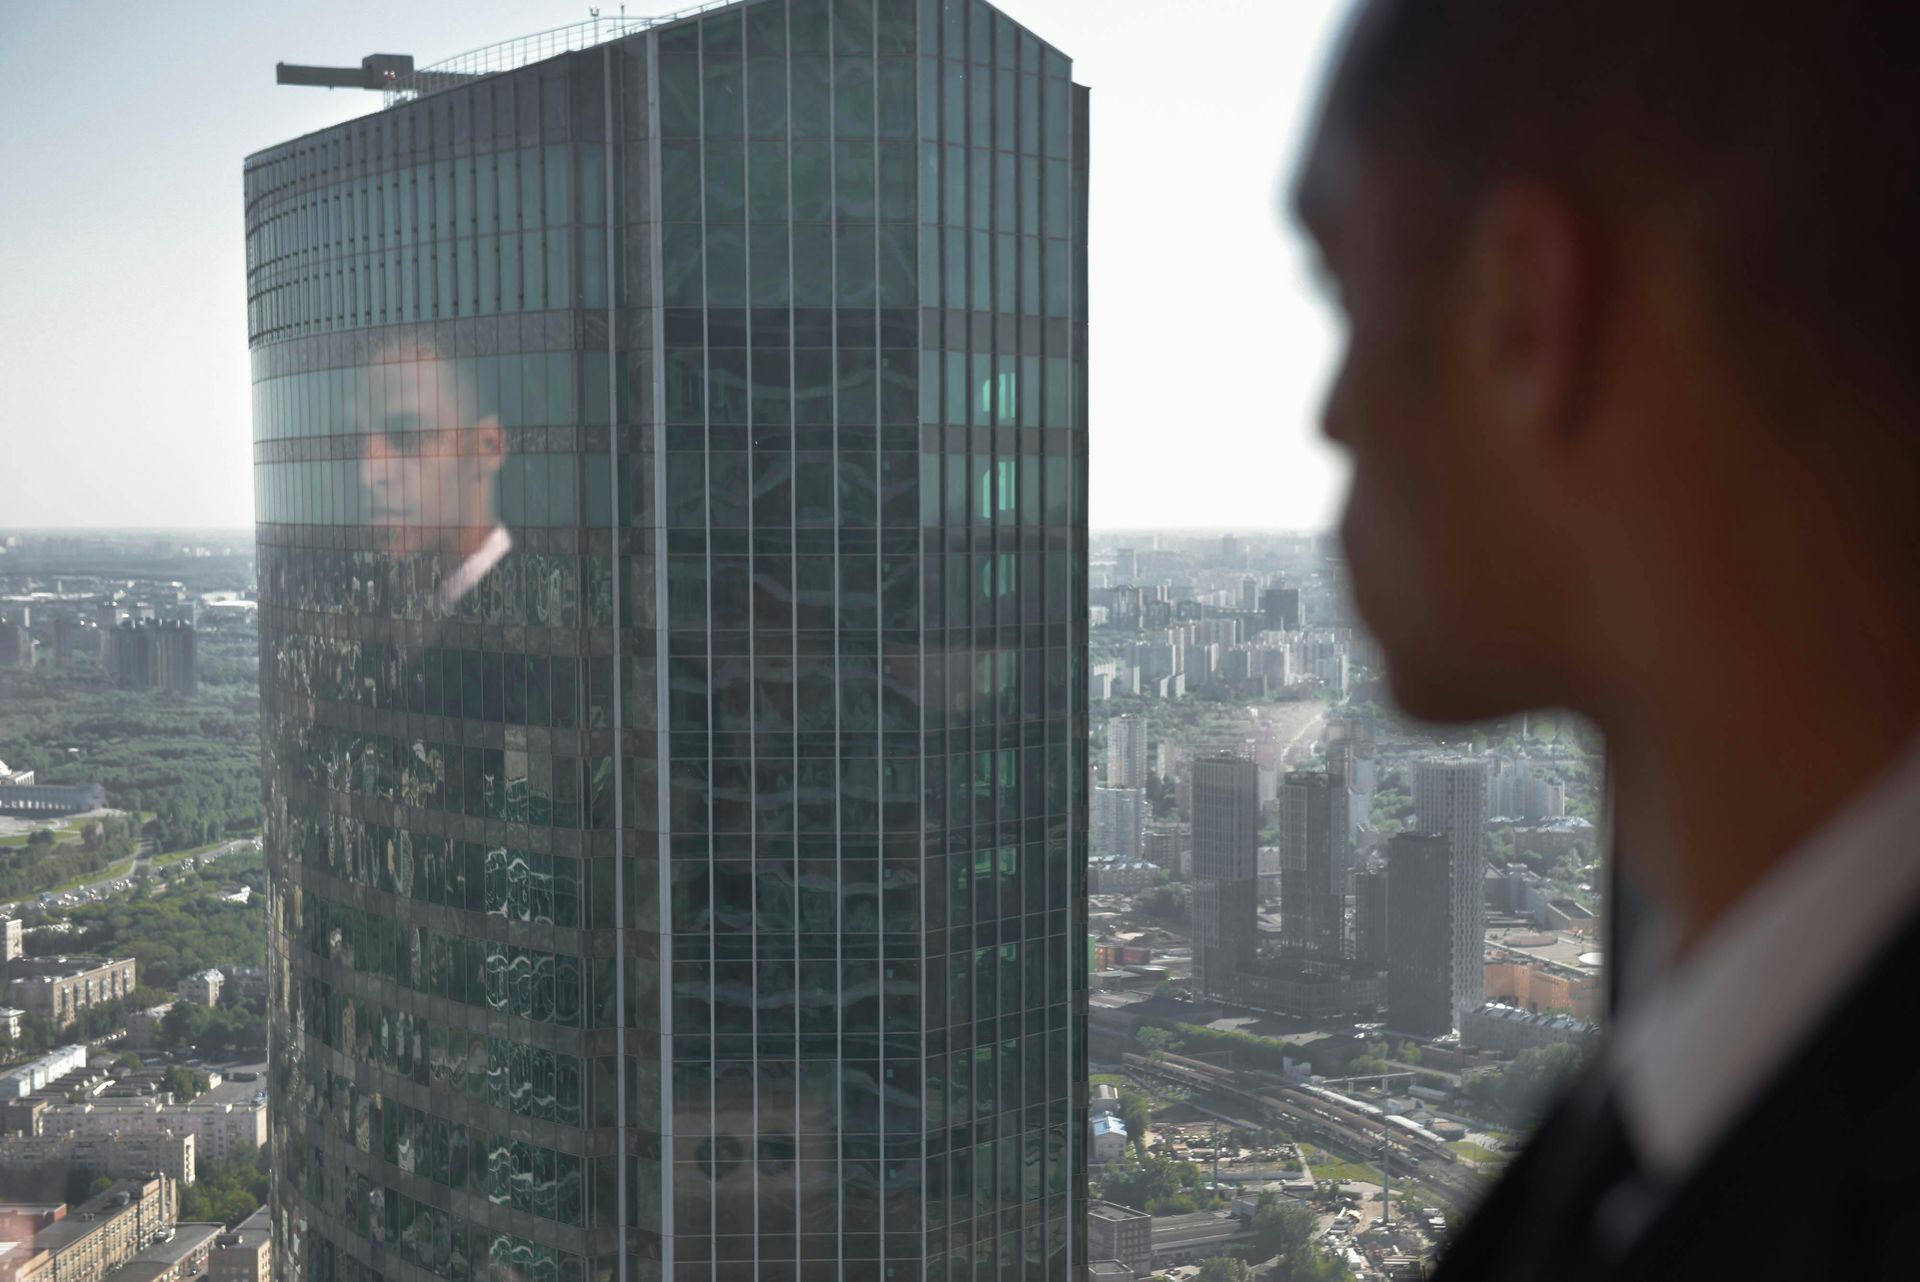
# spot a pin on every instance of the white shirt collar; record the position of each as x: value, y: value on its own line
x: 467, y: 575
x: 1701, y: 1042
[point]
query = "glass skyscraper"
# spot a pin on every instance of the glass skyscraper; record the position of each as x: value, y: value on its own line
x: 671, y: 467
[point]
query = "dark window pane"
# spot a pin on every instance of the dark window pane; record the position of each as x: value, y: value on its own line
x: 680, y: 181
x: 853, y: 179
x: 722, y: 105
x: 767, y: 262
x: 767, y: 181
x: 767, y: 97
x: 726, y: 181
x: 812, y: 104
x: 854, y: 268
x: 679, y: 96
x: 812, y: 182
x: 807, y: 27
x: 853, y: 97
x: 896, y: 98
x: 726, y: 264
x: 853, y: 26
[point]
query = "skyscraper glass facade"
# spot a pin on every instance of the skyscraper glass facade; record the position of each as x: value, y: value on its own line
x: 1226, y: 873
x: 670, y: 461
x: 1450, y: 798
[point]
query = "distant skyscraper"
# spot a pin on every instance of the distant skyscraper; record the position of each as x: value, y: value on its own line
x: 1370, y: 920
x: 1119, y: 817
x: 1282, y: 608
x: 1420, y: 934
x: 16, y: 646
x: 1226, y: 843
x: 1126, y: 752
x: 151, y: 656
x: 1450, y: 799
x: 1313, y: 845
x: 673, y: 549
x: 66, y: 639
x: 1126, y: 566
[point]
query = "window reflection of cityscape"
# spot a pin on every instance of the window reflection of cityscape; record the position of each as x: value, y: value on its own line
x: 671, y: 474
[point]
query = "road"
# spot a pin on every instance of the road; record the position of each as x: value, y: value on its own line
x: 113, y: 883
x: 1311, y: 716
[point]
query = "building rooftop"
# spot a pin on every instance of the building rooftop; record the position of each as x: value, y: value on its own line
x: 88, y: 1216
x: 156, y: 1259
x: 1514, y: 1015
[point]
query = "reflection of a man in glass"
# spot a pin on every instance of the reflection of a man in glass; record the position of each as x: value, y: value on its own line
x: 431, y: 466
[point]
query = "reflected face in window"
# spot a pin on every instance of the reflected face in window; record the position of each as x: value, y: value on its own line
x: 425, y: 470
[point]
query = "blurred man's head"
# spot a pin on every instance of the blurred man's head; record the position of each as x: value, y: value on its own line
x: 1602, y: 262
x: 432, y: 456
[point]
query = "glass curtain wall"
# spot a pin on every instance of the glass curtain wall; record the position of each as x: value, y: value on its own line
x: 671, y: 462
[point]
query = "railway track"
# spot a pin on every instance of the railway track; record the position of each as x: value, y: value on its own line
x: 1312, y: 1114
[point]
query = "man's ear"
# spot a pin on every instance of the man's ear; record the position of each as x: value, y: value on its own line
x: 489, y: 444
x: 1527, y: 311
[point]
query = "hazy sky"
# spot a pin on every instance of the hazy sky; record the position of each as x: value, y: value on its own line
x: 123, y: 344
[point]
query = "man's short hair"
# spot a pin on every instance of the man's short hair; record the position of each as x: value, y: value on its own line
x: 1780, y: 137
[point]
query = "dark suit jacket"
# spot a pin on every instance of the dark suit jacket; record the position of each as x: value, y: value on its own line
x: 1820, y: 1177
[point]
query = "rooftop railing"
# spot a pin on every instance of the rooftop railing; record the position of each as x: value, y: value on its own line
x: 508, y: 54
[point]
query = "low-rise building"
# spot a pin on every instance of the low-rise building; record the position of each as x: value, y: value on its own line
x: 220, y: 1128
x: 201, y: 988
x: 1542, y: 986
x: 1107, y: 1139
x: 30, y: 1078
x: 22, y: 1116
x: 179, y: 1254
x: 246, y: 1253
x: 116, y: 1154
x: 1196, y: 1236
x: 58, y: 988
x: 1506, y: 1030
x: 12, y: 934
x: 143, y: 1026
x: 97, y: 1236
x: 1120, y: 1233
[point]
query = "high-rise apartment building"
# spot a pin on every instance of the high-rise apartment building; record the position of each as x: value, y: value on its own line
x: 1226, y: 837
x: 672, y: 532
x: 146, y: 655
x: 1126, y: 752
x: 1420, y: 935
x: 1450, y: 799
x: 1313, y: 859
x: 1281, y: 606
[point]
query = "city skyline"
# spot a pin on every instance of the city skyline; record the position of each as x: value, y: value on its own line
x: 170, y: 340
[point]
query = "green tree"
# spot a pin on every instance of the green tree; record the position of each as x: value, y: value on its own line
x: 183, y: 1083
x: 1135, y: 1114
x: 1281, y: 1227
x: 1158, y: 1041
x: 1224, y: 1268
x: 227, y: 1191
